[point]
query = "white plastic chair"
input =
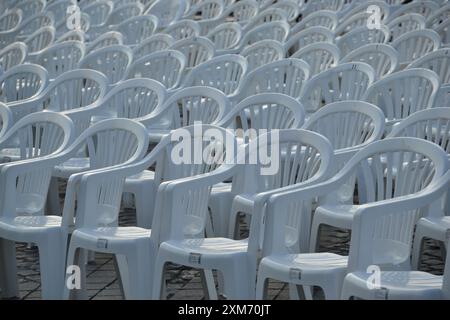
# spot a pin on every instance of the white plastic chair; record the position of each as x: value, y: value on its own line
x: 361, y: 36
x: 425, y: 8
x: 118, y: 141
x: 406, y: 23
x: 105, y: 40
x: 392, y: 226
x: 349, y: 126
x: 262, y: 53
x: 196, y: 50
x: 112, y: 61
x: 437, y: 61
x: 58, y: 8
x: 404, y: 93
x: 431, y: 125
x: 184, y: 108
x: 286, y: 76
x: 10, y: 20
x: 5, y: 119
x: 348, y: 81
x: 306, y: 37
x: 165, y: 66
x: 71, y: 90
x: 320, y: 56
x: 183, y: 29
x: 61, y: 57
x: 167, y: 11
x: 225, y: 73
x: 382, y: 57
x: 13, y: 55
x: 98, y: 12
x: 276, y: 30
x: 21, y: 83
x: 226, y: 37
x: 25, y: 186
x: 423, y: 42
x: 157, y: 42
x: 39, y: 41
x: 137, y: 29
x: 321, y: 18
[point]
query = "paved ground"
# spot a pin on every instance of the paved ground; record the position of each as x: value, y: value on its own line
x: 183, y: 283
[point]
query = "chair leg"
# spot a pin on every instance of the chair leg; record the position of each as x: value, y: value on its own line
x: 261, y: 288
x: 144, y: 201
x: 159, y: 281
x: 53, y: 204
x: 52, y: 265
x: 417, y: 250
x: 8, y: 269
x: 237, y: 282
x: 315, y: 236
x: 139, y: 275
x: 75, y: 257
x: 209, y: 284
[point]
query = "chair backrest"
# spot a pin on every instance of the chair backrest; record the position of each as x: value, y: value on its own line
x: 39, y: 40
x: 183, y: 29
x: 13, y: 55
x: 196, y: 50
x: 5, y: 119
x: 225, y: 36
x: 61, y: 57
x: 241, y: 11
x: 35, y: 136
x: 285, y: 76
x: 32, y: 23
x: 425, y: 8
x: 10, y: 20
x: 157, y: 42
x: 105, y: 40
x: 382, y: 57
x: 437, y: 61
x: 22, y: 82
x: 74, y: 89
x: 224, y: 73
x: 167, y: 11
x: 404, y: 93
x: 424, y: 41
x: 431, y: 124
x: 349, y: 126
x: 133, y: 98
x: 59, y: 8
x: 320, y: 56
x: 30, y: 7
x: 189, y: 106
x: 361, y: 36
x: 276, y: 30
x: 358, y: 20
x: 112, y: 61
x: 306, y: 37
x: 262, y: 53
x: 321, y: 18
x: 267, y: 111
x: 444, y: 32
x: 99, y: 11
x: 269, y: 15
x: 438, y: 17
x: 137, y: 29
x: 290, y: 7
x: 348, y: 81
x: 406, y: 23
x: 384, y: 237
x: 124, y: 12
x: 165, y: 66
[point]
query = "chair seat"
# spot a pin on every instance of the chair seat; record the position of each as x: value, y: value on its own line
x: 25, y: 228
x: 144, y: 175
x: 71, y: 166
x: 395, y: 285
x: 9, y: 154
x: 208, y: 246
